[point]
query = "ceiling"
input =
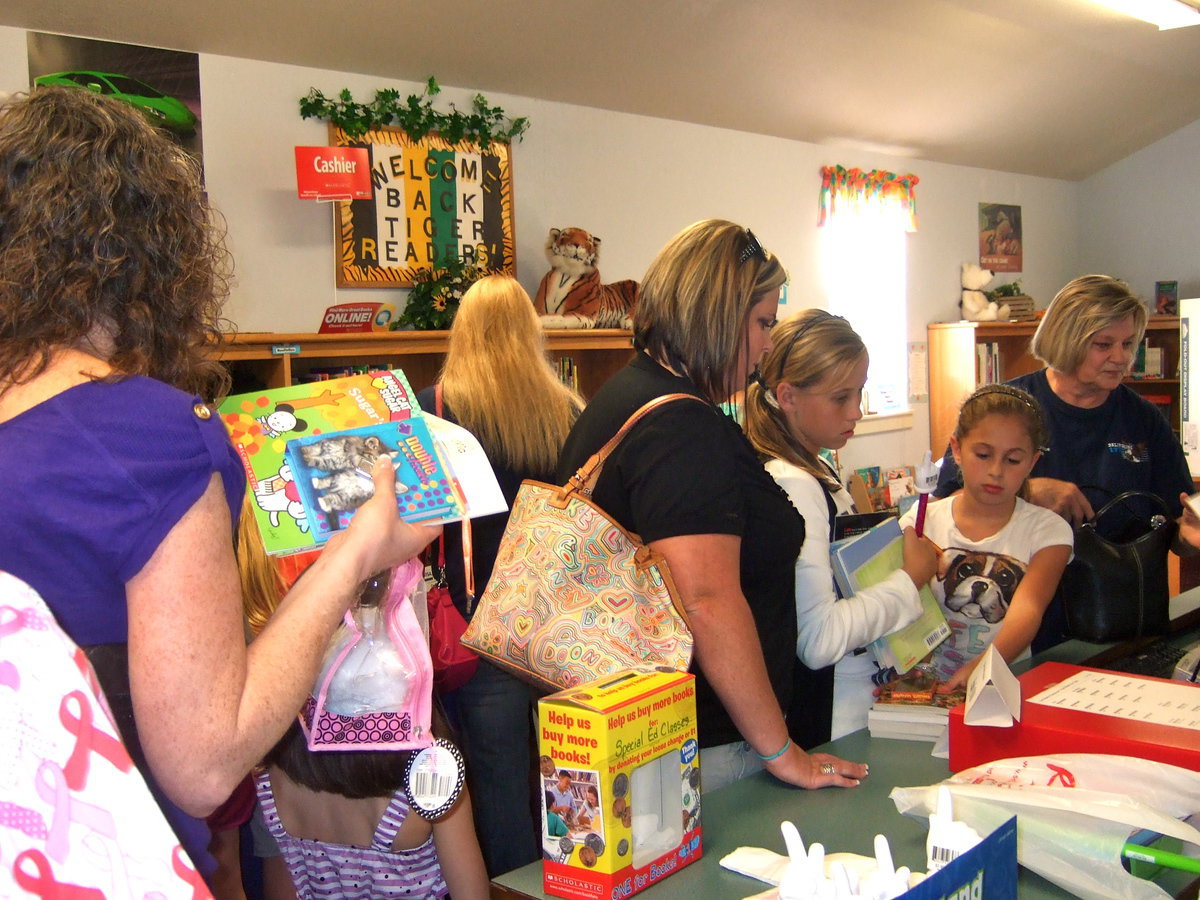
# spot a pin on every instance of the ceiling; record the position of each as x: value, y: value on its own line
x: 1057, y: 88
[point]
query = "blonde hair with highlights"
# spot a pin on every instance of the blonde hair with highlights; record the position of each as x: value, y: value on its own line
x: 498, y: 381
x: 806, y: 349
x: 694, y: 303
x: 262, y: 585
x: 1083, y: 307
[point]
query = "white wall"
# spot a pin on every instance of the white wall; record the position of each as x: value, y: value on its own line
x: 632, y: 180
x: 1138, y: 217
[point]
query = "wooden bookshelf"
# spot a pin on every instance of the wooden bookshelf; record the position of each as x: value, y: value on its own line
x: 265, y: 359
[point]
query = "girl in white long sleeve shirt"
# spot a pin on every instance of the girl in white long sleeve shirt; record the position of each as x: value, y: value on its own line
x: 809, y: 396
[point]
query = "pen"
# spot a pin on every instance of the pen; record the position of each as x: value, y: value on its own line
x: 926, y: 481
x: 1161, y: 857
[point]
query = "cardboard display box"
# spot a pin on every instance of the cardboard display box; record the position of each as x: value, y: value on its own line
x: 1045, y: 730
x: 621, y: 777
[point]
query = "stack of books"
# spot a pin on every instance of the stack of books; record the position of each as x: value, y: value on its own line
x: 910, y: 709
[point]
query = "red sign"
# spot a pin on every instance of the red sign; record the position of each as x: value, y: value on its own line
x: 353, y: 317
x: 333, y: 173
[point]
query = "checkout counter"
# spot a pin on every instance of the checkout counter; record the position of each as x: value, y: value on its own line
x: 748, y: 812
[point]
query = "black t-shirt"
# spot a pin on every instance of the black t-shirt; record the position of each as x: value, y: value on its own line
x: 688, y: 469
x: 486, y: 531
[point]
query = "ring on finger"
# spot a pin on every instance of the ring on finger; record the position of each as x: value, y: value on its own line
x: 826, y: 768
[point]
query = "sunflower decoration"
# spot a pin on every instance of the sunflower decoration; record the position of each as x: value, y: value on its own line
x: 436, y: 293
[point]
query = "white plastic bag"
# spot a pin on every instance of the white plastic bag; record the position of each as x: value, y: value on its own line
x: 1075, y: 811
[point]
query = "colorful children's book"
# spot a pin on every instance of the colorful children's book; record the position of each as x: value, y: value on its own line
x: 333, y: 474
x: 427, y: 452
x: 865, y: 559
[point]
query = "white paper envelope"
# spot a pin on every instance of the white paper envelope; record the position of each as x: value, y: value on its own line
x: 993, y: 693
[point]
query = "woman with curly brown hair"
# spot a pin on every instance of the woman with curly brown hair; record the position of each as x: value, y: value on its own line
x: 123, y: 488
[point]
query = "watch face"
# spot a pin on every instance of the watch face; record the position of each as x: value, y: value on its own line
x: 434, y: 779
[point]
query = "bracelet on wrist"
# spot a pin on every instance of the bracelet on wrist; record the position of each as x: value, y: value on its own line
x: 778, y: 753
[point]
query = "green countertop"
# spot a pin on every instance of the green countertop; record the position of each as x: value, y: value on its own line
x: 748, y: 812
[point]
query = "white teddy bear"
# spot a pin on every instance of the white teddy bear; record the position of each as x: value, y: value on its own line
x: 975, y: 305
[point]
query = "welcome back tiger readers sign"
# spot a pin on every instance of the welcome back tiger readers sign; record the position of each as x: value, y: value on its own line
x: 432, y: 201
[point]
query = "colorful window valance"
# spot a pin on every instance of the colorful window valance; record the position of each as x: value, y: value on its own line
x: 856, y: 192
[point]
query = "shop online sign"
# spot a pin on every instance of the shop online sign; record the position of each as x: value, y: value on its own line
x: 333, y: 173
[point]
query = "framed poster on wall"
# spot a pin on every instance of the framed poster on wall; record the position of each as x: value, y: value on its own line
x: 433, y: 201
x: 1001, y: 245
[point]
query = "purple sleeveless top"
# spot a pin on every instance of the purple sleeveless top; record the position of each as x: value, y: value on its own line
x: 326, y: 871
x: 95, y: 478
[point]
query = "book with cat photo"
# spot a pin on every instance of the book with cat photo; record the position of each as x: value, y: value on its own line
x: 360, y: 416
x: 333, y: 474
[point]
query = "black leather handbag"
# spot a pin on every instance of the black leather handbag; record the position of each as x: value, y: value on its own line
x: 1114, y: 590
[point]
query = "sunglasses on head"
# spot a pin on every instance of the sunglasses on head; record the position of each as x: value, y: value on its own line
x: 753, y: 248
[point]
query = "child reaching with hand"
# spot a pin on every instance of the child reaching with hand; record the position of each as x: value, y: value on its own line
x: 1002, y: 557
x: 345, y: 829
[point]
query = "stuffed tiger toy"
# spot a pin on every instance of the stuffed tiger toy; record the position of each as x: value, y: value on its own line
x: 571, y: 295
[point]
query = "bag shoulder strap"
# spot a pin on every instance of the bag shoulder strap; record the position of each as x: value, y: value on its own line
x: 468, y: 568
x: 585, y: 479
x: 1131, y: 495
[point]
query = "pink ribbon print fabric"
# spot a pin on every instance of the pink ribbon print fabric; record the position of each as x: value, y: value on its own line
x: 77, y: 821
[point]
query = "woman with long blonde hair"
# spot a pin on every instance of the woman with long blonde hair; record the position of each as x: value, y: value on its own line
x: 499, y: 384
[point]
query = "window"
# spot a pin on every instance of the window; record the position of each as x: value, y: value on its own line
x: 865, y: 219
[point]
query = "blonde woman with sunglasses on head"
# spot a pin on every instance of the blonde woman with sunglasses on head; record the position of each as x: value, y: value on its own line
x: 688, y: 482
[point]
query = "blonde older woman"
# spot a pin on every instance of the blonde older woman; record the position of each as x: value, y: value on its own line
x: 499, y: 384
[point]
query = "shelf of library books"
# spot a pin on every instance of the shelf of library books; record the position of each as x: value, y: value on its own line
x: 585, y: 357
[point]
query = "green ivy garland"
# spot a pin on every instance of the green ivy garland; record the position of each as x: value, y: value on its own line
x: 416, y: 116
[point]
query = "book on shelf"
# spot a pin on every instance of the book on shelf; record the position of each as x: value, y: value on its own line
x: 868, y: 558
x: 308, y: 450
x: 909, y: 708
x: 567, y: 372
x: 901, y: 482
x: 988, y: 367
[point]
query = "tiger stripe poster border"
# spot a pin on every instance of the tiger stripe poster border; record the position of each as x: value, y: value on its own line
x: 431, y: 200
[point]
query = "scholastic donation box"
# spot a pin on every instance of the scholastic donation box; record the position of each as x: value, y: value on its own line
x: 621, y: 783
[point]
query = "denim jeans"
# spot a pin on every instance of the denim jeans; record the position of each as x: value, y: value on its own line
x: 493, y: 713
